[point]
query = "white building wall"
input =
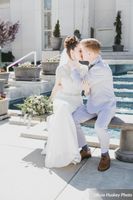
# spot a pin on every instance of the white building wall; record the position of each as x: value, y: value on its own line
x: 4, y: 10
x: 125, y: 7
x: 104, y: 12
x: 129, y: 40
x: 29, y: 37
x: 72, y: 14
x: 5, y: 16
x: 91, y: 17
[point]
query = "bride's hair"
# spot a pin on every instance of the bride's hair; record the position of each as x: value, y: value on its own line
x: 70, y: 43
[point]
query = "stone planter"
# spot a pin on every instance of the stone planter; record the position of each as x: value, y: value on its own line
x: 56, y: 43
x: 27, y: 73
x: 5, y: 76
x: 49, y: 68
x: 118, y: 48
x: 4, y: 106
x: 2, y: 83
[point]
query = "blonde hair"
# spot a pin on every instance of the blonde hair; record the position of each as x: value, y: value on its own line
x: 92, y: 44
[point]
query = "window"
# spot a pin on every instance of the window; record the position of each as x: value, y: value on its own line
x: 47, y: 21
x: 47, y: 4
x: 47, y: 24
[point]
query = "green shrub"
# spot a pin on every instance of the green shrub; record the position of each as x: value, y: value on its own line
x: 56, y: 32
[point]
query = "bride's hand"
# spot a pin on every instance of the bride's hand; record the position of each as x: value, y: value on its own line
x: 86, y: 87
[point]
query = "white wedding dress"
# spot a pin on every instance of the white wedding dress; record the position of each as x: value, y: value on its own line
x: 62, y: 144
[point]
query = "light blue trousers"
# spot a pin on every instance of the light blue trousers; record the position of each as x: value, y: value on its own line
x: 101, y: 125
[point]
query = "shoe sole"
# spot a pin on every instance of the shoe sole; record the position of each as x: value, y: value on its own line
x: 102, y: 170
x: 86, y: 157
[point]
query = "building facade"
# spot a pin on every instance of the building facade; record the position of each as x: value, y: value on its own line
x: 93, y: 18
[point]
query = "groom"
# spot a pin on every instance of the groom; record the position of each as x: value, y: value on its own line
x: 101, y: 101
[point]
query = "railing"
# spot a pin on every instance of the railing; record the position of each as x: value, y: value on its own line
x: 17, y: 61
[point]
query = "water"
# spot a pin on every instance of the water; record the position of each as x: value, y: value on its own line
x: 123, y: 87
x: 89, y: 131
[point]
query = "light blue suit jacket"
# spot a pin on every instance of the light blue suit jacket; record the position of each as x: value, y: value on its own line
x: 101, y: 86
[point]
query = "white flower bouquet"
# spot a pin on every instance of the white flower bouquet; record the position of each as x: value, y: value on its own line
x: 36, y: 106
x: 26, y: 65
x: 53, y: 60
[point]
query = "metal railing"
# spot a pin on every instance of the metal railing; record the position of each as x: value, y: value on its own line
x: 27, y: 55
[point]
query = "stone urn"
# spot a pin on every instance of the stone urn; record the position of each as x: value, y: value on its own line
x: 27, y: 73
x: 49, y: 68
x: 56, y: 43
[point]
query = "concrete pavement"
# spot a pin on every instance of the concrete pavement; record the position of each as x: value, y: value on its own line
x: 23, y: 175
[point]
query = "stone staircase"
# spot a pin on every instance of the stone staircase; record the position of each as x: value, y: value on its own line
x: 125, y: 55
x: 123, y: 87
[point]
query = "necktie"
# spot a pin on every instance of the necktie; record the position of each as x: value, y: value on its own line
x: 90, y: 66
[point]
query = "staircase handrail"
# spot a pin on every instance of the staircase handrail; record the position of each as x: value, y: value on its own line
x: 27, y: 55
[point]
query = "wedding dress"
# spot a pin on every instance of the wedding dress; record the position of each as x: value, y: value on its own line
x: 62, y: 144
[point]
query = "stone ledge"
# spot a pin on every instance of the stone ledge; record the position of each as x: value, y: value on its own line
x: 39, y: 132
x: 5, y: 116
x: 20, y: 121
x: 119, y: 121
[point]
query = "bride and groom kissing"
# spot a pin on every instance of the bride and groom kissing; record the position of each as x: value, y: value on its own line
x: 66, y: 140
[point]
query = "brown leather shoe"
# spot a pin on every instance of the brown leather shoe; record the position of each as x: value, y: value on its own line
x: 85, y: 154
x: 104, y: 163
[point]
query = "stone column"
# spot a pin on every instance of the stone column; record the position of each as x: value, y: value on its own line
x: 125, y: 151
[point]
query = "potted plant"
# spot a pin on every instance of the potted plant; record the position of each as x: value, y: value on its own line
x: 118, y: 28
x: 50, y: 65
x: 27, y: 72
x: 7, y: 35
x: 77, y: 34
x: 56, y: 40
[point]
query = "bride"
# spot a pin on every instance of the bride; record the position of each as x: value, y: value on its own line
x: 62, y: 145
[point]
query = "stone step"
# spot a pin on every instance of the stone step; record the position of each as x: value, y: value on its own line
x: 22, y: 89
x: 123, y: 93
x: 124, y: 104
x: 130, y: 72
x: 123, y: 85
x: 123, y: 78
x: 124, y: 111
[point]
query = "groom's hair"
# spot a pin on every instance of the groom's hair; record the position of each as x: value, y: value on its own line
x: 92, y: 44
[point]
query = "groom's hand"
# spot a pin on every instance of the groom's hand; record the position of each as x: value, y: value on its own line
x: 86, y: 87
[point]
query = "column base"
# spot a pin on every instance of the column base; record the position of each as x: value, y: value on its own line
x: 125, y: 156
